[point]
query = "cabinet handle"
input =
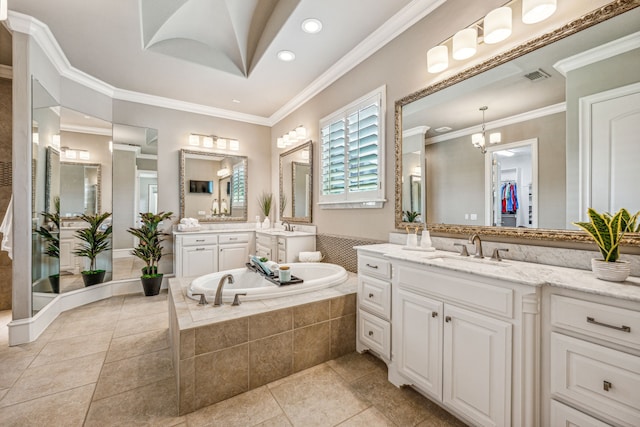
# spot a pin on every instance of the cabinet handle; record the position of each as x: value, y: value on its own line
x: 199, y: 240
x: 434, y: 314
x: 372, y: 266
x: 447, y: 319
x: 233, y: 238
x: 370, y: 333
x: 199, y: 249
x: 606, y: 385
x: 370, y: 295
x: 622, y: 328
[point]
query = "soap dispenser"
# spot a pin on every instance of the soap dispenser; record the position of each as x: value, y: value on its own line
x: 258, y: 223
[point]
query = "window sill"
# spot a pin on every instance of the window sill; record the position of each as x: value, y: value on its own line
x: 359, y: 204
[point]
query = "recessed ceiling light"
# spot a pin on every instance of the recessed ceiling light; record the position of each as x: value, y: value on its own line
x: 286, y: 56
x: 443, y: 129
x: 311, y: 26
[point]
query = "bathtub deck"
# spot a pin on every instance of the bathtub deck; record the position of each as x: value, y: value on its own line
x: 219, y: 352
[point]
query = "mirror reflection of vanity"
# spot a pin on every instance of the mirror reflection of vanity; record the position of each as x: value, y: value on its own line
x: 538, y: 96
x: 213, y: 186
x: 296, y: 183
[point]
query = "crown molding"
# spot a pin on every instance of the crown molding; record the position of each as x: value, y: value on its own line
x: 599, y: 53
x: 518, y: 118
x: 418, y: 130
x: 400, y: 22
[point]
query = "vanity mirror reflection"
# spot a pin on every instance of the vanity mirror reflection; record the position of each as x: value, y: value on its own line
x: 538, y: 95
x: 296, y: 183
x: 204, y: 192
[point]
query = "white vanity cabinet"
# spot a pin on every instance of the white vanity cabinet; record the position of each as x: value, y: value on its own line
x: 201, y: 253
x: 283, y: 248
x: 594, y: 360
x: 233, y: 250
x: 466, y: 342
x: 374, y: 305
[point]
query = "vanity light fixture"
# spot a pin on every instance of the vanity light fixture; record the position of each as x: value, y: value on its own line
x: 234, y: 145
x: 437, y: 59
x: 479, y: 139
x: 497, y: 25
x: 223, y: 172
x: 55, y: 141
x: 301, y: 132
x: 84, y: 154
x: 311, y: 26
x: 295, y: 135
x: 465, y: 43
x: 213, y: 141
x: 3, y: 10
x: 221, y: 144
x: 207, y: 142
x: 194, y: 139
x: 280, y: 142
x: 286, y: 56
x: 35, y: 138
x: 534, y: 11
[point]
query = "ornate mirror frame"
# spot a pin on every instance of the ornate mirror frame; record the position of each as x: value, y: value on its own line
x: 595, y: 17
x: 305, y: 219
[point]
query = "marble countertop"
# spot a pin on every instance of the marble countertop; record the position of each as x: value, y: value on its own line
x: 192, y: 315
x: 216, y: 231
x: 276, y: 232
x: 513, y: 271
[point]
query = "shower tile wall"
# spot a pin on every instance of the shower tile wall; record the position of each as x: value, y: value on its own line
x: 5, y: 185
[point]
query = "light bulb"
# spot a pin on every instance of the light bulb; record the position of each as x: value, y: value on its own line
x: 437, y: 59
x: 464, y: 43
x: 534, y: 11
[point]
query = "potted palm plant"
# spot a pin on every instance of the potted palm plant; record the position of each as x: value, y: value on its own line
x: 51, y: 235
x: 94, y: 241
x: 149, y: 249
x: 607, y: 230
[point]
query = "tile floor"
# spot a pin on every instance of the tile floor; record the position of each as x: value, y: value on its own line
x: 109, y: 364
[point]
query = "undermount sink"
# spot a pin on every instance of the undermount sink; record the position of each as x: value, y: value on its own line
x: 466, y: 260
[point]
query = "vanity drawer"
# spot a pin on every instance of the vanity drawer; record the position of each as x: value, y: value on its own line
x: 263, y: 239
x: 200, y: 239
x: 233, y: 238
x: 563, y: 415
x: 591, y: 376
x: 375, y: 333
x: 374, y: 295
x: 374, y: 266
x: 606, y: 322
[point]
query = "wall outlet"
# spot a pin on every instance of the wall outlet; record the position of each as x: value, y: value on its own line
x: 466, y: 216
x: 474, y: 217
x: 201, y: 212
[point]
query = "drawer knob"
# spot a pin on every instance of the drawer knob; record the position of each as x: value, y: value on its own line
x: 622, y: 328
x: 372, y: 266
x: 434, y: 314
x: 370, y: 295
x: 447, y: 319
x: 370, y: 333
x: 606, y: 385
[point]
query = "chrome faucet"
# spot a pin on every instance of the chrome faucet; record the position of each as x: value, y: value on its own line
x: 286, y: 225
x: 475, y: 239
x: 218, y: 299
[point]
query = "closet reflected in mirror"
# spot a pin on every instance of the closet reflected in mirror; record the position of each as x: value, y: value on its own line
x: 296, y: 182
x: 135, y: 191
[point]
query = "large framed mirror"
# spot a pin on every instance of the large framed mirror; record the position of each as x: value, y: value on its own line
x: 202, y: 176
x: 296, y: 183
x: 537, y: 98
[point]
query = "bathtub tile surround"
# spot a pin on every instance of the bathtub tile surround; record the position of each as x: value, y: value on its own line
x: 224, y: 351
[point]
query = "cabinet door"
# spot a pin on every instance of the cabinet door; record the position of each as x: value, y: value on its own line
x: 232, y: 256
x: 477, y: 366
x: 199, y: 260
x: 417, y: 339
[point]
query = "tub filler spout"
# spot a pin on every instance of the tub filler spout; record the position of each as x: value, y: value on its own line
x: 218, y: 299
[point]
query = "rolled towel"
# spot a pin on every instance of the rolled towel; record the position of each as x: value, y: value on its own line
x: 310, y: 256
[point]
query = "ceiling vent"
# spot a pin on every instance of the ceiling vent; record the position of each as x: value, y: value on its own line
x: 538, y: 75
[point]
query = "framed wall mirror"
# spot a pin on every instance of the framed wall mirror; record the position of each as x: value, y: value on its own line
x: 135, y: 190
x: 202, y: 174
x: 541, y: 91
x: 296, y: 183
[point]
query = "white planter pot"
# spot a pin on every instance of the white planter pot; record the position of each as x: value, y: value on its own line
x: 612, y: 271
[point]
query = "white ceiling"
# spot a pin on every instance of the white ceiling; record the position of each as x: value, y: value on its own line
x: 212, y: 52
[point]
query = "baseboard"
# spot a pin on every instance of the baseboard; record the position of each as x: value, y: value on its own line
x: 23, y: 331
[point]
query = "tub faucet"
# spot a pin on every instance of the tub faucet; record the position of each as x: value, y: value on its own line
x: 475, y: 239
x: 218, y: 299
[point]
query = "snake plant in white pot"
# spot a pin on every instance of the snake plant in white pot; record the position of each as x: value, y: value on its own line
x: 607, y: 230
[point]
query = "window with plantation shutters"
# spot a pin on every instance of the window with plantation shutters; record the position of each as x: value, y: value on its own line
x: 352, y: 153
x: 238, y: 187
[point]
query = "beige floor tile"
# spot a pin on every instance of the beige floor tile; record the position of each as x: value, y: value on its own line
x: 317, y: 397
x: 74, y: 327
x: 12, y: 365
x: 441, y: 418
x: 137, y: 325
x: 247, y: 409
x: 368, y: 418
x: 354, y: 366
x: 138, y: 371
x: 55, y: 377
x: 404, y: 406
x: 136, y: 306
x: 67, y: 408
x: 135, y: 345
x: 279, y: 421
x: 151, y: 405
x: 71, y: 348
x: 3, y: 392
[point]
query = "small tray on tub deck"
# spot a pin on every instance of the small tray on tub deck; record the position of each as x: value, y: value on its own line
x: 294, y: 280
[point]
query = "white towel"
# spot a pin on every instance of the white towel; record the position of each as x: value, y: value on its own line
x: 310, y: 256
x: 6, y: 228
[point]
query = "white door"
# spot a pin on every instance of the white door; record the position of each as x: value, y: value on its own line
x: 199, y: 260
x: 418, y: 341
x: 610, y: 150
x: 477, y: 366
x: 233, y: 256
